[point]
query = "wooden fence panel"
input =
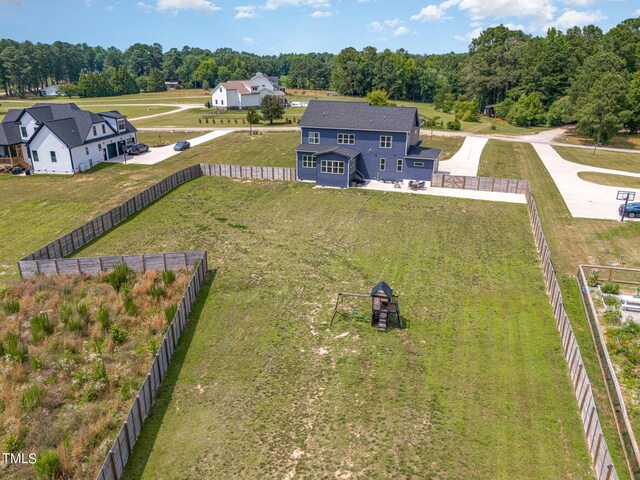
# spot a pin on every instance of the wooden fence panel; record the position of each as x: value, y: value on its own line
x: 489, y: 184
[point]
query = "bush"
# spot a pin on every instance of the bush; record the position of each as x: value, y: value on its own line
x: 65, y: 313
x: 592, y: 280
x: 119, y: 276
x: 40, y: 326
x: 527, y: 111
x: 47, y: 465
x: 454, y: 125
x: 170, y: 312
x: 130, y: 307
x: 10, y: 306
x: 99, y: 373
x: 75, y: 324
x: 502, y: 109
x: 15, y: 349
x: 37, y: 364
x: 157, y: 292
x: 31, y: 398
x: 168, y: 277
x: 612, y: 316
x: 118, y: 335
x: 103, y: 317
x: 13, y: 443
x: 611, y: 287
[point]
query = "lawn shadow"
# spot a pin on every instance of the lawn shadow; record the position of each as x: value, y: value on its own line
x: 144, y: 445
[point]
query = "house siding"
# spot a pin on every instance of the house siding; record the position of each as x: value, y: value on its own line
x: 332, y: 179
x: 303, y: 172
x: 44, y: 143
x: 412, y: 172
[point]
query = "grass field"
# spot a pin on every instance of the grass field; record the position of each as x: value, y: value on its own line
x: 629, y: 162
x: 159, y: 139
x: 611, y: 180
x: 449, y: 145
x: 619, y: 141
x: 476, y: 387
x: 572, y: 241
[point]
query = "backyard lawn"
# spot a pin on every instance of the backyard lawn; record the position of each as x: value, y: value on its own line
x: 629, y: 162
x: 449, y: 145
x: 261, y: 387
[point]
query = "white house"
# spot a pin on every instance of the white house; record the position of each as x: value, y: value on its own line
x: 61, y: 138
x: 50, y: 91
x: 242, y: 94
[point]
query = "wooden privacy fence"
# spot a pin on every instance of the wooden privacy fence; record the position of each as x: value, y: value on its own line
x: 487, y: 184
x: 120, y: 452
x: 76, y: 239
x: 630, y: 446
x: 241, y: 171
x: 596, y: 443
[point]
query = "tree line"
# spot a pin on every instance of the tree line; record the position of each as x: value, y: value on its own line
x: 582, y: 75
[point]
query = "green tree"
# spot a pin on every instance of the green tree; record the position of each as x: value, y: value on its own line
x: 467, y: 110
x: 123, y: 83
x: 379, y: 98
x: 68, y: 90
x: 271, y: 108
x: 527, y: 111
x: 206, y: 72
x: 94, y: 85
x: 253, y: 117
x: 602, y: 112
x: 155, y: 82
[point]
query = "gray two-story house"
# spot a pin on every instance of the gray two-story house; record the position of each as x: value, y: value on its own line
x: 343, y: 142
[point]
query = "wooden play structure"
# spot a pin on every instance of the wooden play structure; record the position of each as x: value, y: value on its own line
x: 384, y: 305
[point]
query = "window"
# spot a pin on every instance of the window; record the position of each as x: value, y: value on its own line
x: 346, y: 138
x: 220, y: 88
x: 314, y: 137
x: 121, y: 124
x: 221, y: 102
x: 308, y: 161
x: 34, y: 153
x: 86, y: 150
x: 418, y: 164
x: 385, y: 141
x: 332, y: 166
x: 104, y: 130
x: 216, y: 102
x: 53, y: 157
x: 399, y: 165
x: 95, y: 131
x: 383, y: 164
x: 99, y: 146
x: 23, y: 131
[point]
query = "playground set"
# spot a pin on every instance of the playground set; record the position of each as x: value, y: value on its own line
x: 384, y: 305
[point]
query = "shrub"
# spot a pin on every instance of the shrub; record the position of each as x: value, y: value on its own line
x: 13, y: 443
x: 119, y: 276
x: 40, y: 326
x: 130, y: 306
x: 99, y: 373
x: 37, y: 364
x: 611, y: 287
x: 126, y: 389
x: 153, y: 346
x: 103, y: 317
x: 75, y: 324
x: 11, y: 305
x: 612, y: 316
x: 170, y: 312
x: 47, y: 465
x: 157, y: 292
x: 168, y: 277
x: 118, y: 335
x: 32, y: 397
x: 97, y: 346
x: 612, y: 301
x: 493, y: 126
x: 15, y: 349
x: 592, y: 280
x: 454, y: 125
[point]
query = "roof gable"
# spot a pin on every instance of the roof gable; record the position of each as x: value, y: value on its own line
x: 10, y: 133
x: 382, y: 287
x: 359, y: 116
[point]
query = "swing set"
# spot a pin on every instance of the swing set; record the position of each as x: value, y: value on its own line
x: 384, y: 305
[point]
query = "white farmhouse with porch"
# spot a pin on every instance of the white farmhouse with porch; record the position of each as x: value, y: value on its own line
x: 242, y: 94
x: 62, y: 138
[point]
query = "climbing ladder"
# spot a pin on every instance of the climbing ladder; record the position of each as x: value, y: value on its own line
x: 382, y: 319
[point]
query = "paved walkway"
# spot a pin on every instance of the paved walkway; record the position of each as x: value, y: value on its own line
x: 446, y: 192
x: 583, y: 199
x: 466, y: 160
x: 158, y: 154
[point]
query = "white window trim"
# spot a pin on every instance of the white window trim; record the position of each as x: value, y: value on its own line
x: 346, y: 139
x: 383, y: 164
x: 54, y: 157
x: 326, y: 165
x: 386, y: 138
x: 308, y: 161
x: 418, y: 164
x: 313, y: 138
x: 399, y: 165
x: 34, y: 155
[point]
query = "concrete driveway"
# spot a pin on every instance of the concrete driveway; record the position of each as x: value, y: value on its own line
x: 583, y: 199
x: 158, y: 154
x: 466, y: 160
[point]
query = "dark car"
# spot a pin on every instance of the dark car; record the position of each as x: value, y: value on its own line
x: 632, y: 210
x: 136, y: 148
x: 182, y: 145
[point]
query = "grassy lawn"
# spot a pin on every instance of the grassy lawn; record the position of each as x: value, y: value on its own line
x: 572, y: 241
x: 619, y: 141
x: 449, y: 145
x: 56, y: 204
x: 159, y: 139
x: 476, y: 387
x: 204, y: 117
x: 628, y: 162
x: 612, y: 180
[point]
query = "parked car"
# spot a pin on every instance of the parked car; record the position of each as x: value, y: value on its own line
x: 632, y: 211
x: 181, y: 145
x: 136, y: 148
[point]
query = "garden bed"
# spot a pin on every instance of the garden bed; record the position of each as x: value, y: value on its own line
x: 75, y: 350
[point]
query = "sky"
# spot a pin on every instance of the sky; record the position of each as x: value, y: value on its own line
x: 283, y: 26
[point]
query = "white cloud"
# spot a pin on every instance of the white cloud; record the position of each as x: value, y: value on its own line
x: 475, y: 33
x: 275, y: 4
x: 108, y: 8
x: 147, y: 8
x: 204, y: 6
x: 248, y: 40
x: 246, y: 11
x: 475, y: 24
x: 377, y: 26
x: 394, y: 22
x: 579, y: 3
x: 636, y: 13
x: 431, y: 13
x: 400, y: 31
x: 573, y: 18
x: 512, y: 26
x: 321, y: 14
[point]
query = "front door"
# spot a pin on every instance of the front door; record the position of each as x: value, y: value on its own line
x: 112, y: 150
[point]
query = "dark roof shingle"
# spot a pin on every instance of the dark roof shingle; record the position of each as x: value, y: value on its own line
x: 423, y: 153
x: 358, y: 116
x: 324, y: 149
x: 10, y: 133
